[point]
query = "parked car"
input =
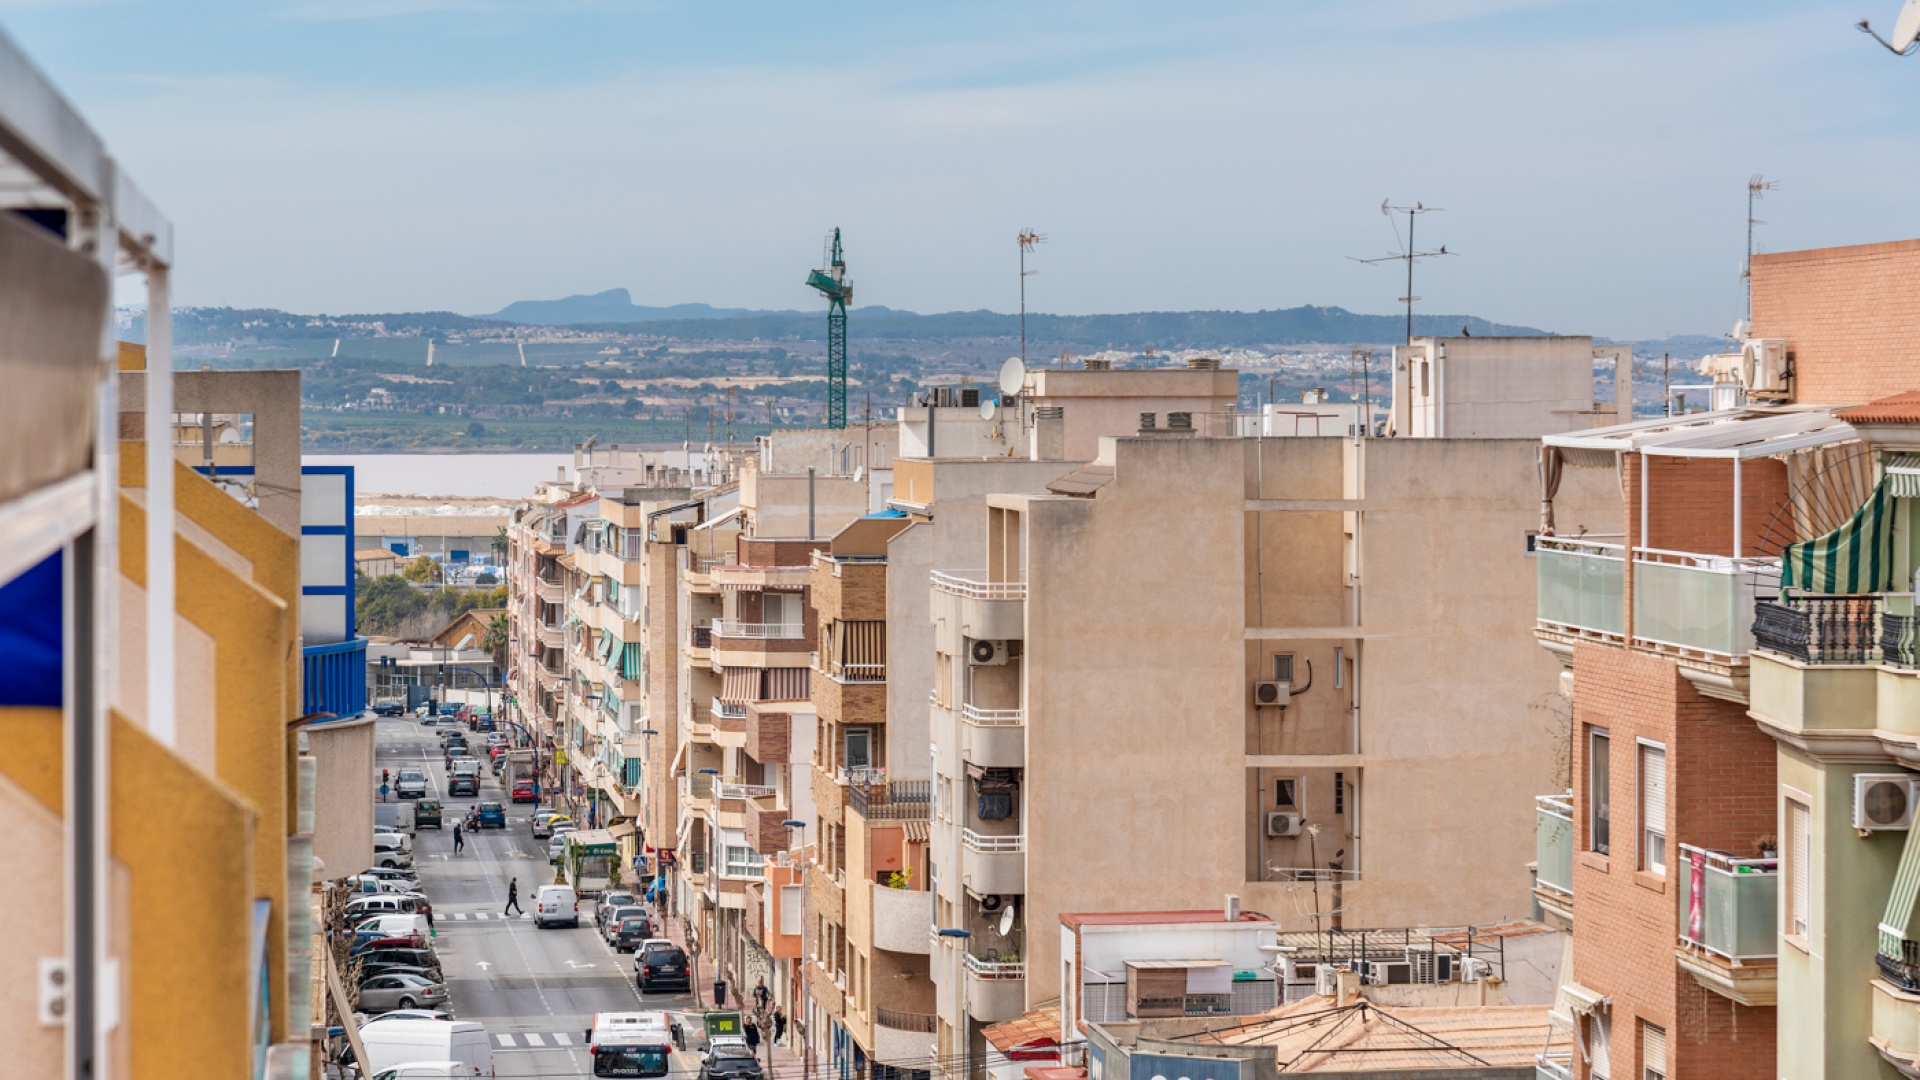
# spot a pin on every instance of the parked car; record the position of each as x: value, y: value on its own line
x: 630, y: 933
x: 614, y: 916
x: 545, y: 821
x: 727, y: 1061
x: 394, y: 874
x: 554, y: 905
x: 382, y: 927
x: 366, y: 945
x: 400, y: 991
x: 421, y: 957
x: 392, y: 850
x: 411, y: 785
x: 558, y: 843
x: 661, y: 966
x: 523, y: 791
x: 492, y: 815
x: 609, y: 902
x: 387, y: 904
x: 375, y: 970
x: 406, y: 1014
x: 389, y: 707
x: 426, y: 814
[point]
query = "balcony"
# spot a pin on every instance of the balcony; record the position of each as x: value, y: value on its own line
x: 549, y: 592
x: 1553, y: 1065
x: 729, y: 724
x: 981, y: 608
x: 725, y: 572
x: 552, y: 636
x: 853, y: 702
x: 1698, y: 604
x: 1896, y: 1023
x: 993, y: 865
x: 699, y: 642
x: 996, y: 988
x: 1729, y: 942
x: 1831, y: 669
x: 900, y: 1038
x: 334, y: 678
x: 901, y: 918
x: 993, y: 738
x: 1553, y: 854
x: 754, y: 631
x: 1581, y: 587
x: 901, y: 800
x: 727, y: 791
x: 696, y: 790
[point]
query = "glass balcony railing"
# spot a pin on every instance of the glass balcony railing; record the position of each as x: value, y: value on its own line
x: 1699, y: 602
x: 1553, y: 842
x: 1581, y: 584
x: 1729, y: 906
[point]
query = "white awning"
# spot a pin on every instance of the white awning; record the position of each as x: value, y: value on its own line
x: 1730, y: 433
x: 1585, y: 1001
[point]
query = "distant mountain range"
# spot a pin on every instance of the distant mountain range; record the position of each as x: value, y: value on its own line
x: 612, y: 306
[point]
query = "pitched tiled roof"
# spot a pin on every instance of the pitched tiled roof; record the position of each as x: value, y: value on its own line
x: 1899, y: 409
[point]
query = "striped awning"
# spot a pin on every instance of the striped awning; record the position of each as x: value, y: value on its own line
x: 739, y: 685
x: 632, y: 662
x: 1857, y: 557
x: 1903, y: 476
x: 788, y: 684
x: 1897, y: 925
x: 917, y: 830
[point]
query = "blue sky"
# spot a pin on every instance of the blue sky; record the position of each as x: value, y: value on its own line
x: 362, y: 155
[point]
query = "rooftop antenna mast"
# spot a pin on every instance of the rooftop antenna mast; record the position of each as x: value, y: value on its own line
x: 833, y: 283
x: 1757, y: 188
x: 730, y: 419
x: 1028, y: 241
x: 1411, y: 255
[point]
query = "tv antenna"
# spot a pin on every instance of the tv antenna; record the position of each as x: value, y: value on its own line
x: 1410, y: 255
x: 1757, y: 188
x: 1028, y: 241
x: 1906, y: 28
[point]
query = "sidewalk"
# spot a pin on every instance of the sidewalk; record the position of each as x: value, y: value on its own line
x: 781, y: 1061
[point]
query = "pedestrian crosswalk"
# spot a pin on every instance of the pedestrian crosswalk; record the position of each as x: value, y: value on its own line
x: 534, y: 1040
x: 482, y: 916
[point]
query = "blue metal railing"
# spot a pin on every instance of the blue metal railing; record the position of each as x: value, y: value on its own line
x: 335, y: 678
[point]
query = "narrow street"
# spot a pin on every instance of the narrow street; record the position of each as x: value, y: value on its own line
x: 535, y: 990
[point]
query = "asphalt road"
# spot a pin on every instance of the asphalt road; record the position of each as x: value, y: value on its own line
x: 535, y: 990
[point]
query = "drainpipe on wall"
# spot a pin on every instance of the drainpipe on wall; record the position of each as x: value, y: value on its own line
x: 809, y: 504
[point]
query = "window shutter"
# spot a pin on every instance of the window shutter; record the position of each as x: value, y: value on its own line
x: 1653, y: 788
x: 1653, y: 1052
x: 1798, y: 827
x: 1599, y: 1058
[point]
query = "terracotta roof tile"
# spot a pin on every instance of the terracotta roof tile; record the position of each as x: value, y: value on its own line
x: 1899, y: 409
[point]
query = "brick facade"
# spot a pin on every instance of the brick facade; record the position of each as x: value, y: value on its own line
x: 1720, y: 781
x: 1846, y: 315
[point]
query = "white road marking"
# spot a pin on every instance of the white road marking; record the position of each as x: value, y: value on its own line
x: 533, y: 1038
x: 504, y: 1039
x: 561, y: 1038
x: 481, y: 915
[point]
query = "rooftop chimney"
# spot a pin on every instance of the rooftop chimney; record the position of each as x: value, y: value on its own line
x: 1049, y: 433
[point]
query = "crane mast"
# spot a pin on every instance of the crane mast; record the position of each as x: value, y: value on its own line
x: 833, y: 283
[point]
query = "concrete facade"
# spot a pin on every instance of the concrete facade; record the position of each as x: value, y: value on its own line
x: 1503, y: 387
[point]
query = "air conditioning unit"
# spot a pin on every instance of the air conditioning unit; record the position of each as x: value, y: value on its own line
x: 1473, y: 969
x: 987, y: 653
x: 1283, y: 823
x: 1388, y: 972
x: 1883, y: 800
x: 1326, y: 981
x: 1431, y: 965
x: 1765, y: 362
x: 1272, y: 694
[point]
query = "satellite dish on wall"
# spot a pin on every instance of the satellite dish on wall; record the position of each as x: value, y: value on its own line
x: 988, y: 407
x: 1013, y: 373
x: 1006, y: 921
x: 1906, y: 28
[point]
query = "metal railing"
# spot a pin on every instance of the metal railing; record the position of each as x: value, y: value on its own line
x: 982, y: 842
x: 758, y: 631
x: 1732, y: 907
x: 1553, y: 1065
x: 899, y: 1020
x: 728, y: 710
x: 1553, y: 842
x: 700, y: 637
x: 1820, y: 629
x: 989, y: 968
x: 726, y: 789
x: 697, y: 786
x: 857, y: 673
x: 973, y: 714
x: 1581, y: 584
x: 1899, y: 961
x: 860, y: 775
x: 900, y: 800
x: 975, y: 585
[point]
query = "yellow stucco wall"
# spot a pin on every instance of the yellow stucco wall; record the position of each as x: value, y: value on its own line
x: 30, y: 799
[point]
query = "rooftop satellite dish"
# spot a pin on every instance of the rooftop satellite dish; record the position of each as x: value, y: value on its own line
x: 1013, y: 373
x: 1906, y: 28
x: 988, y: 407
x: 1006, y: 921
x: 1739, y: 330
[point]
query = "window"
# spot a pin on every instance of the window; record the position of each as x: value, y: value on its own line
x: 1339, y: 793
x: 780, y: 609
x: 1599, y: 1058
x: 1283, y: 667
x: 737, y: 860
x: 1285, y: 792
x: 1599, y: 802
x: 1653, y: 1052
x: 1653, y: 808
x: 859, y: 748
x: 1799, y: 845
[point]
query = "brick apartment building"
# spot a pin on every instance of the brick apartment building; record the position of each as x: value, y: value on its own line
x: 1672, y: 876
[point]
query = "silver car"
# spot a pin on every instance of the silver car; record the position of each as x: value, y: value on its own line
x: 384, y: 992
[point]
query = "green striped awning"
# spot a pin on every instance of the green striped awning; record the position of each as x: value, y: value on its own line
x: 1857, y: 557
x: 1903, y: 476
x: 631, y: 662
x: 1897, y: 925
x: 632, y: 769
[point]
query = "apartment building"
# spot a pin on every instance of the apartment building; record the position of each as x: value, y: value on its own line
x: 1318, y: 636
x: 539, y: 541
x: 1726, y: 911
x: 1504, y: 387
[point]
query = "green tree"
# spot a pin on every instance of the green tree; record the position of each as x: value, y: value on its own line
x: 495, y: 640
x: 422, y: 571
x: 485, y: 577
x: 384, y: 604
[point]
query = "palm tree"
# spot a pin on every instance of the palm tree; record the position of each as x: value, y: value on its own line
x: 495, y: 641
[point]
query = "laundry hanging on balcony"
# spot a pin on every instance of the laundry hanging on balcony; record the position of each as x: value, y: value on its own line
x: 1855, y: 558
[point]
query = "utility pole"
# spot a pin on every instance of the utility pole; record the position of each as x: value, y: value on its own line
x: 1028, y: 241
x: 1411, y: 254
x: 1757, y: 188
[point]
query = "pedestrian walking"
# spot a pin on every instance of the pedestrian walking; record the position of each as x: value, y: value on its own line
x: 762, y: 997
x: 459, y: 841
x: 779, y: 1026
x: 753, y: 1038
x: 513, y: 898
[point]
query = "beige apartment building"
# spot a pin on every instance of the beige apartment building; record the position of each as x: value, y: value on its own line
x: 1294, y: 669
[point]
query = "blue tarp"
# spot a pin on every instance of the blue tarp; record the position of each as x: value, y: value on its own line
x: 31, y: 614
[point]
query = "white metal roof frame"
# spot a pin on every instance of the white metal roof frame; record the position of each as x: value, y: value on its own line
x: 1738, y: 434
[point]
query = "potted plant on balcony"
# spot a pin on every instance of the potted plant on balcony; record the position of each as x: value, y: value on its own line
x: 1767, y: 846
x: 899, y: 879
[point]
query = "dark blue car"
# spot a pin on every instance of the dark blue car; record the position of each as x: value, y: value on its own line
x: 492, y: 815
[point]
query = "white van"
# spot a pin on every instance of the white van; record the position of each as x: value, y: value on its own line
x: 556, y: 904
x: 427, y: 1070
x: 418, y: 1042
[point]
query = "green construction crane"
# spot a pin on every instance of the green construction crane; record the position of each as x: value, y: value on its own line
x: 833, y: 283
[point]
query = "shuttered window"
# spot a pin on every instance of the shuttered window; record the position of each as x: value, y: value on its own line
x: 1653, y: 1052
x: 1599, y: 1061
x: 1799, y: 829
x: 1653, y: 807
x: 1599, y: 793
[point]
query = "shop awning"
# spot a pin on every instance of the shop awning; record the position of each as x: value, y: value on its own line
x: 1857, y: 557
x: 620, y: 830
